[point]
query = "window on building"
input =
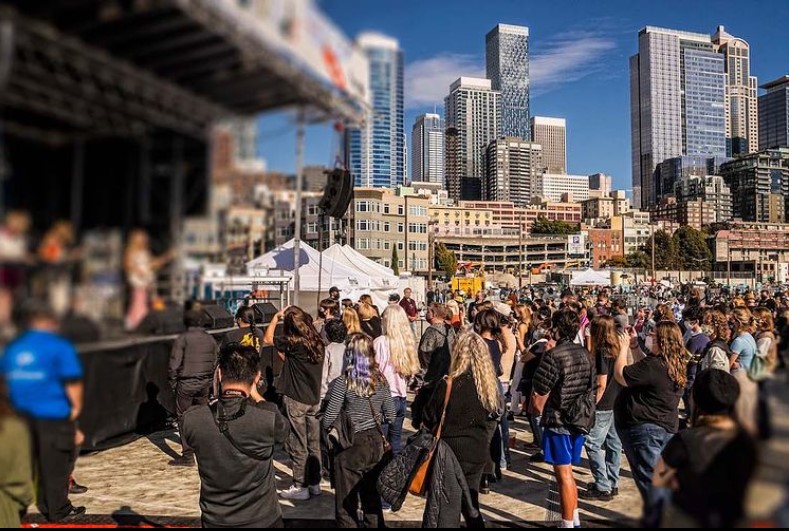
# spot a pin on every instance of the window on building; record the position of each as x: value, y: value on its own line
x: 387, y: 245
x: 362, y: 225
x: 400, y: 227
x: 400, y: 210
x: 386, y: 226
x: 386, y: 208
x: 400, y: 246
x: 362, y: 206
x: 362, y: 244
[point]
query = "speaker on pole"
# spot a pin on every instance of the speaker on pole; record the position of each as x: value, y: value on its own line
x: 338, y: 193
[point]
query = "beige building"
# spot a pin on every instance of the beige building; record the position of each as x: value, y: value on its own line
x: 387, y: 221
x: 510, y: 163
x: 551, y: 134
x: 614, y: 204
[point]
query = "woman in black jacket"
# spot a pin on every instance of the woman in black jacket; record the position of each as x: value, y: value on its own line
x: 472, y: 410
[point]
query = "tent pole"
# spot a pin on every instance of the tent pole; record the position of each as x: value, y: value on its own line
x: 321, y: 223
x: 299, y: 186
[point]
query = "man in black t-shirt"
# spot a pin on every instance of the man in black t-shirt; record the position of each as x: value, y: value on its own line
x: 236, y: 470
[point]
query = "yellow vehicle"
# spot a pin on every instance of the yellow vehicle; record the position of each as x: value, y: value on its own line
x: 469, y: 285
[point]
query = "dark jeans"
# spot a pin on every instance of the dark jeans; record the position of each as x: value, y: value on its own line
x: 54, y: 455
x: 692, y: 370
x: 394, y: 432
x: 356, y: 471
x: 642, y: 444
x: 605, y: 451
x: 189, y: 392
x: 304, y: 442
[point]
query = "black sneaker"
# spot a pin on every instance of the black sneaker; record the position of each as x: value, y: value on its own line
x: 76, y: 488
x: 615, y: 491
x: 593, y: 493
x: 73, y: 514
x: 539, y: 457
x: 184, y: 460
x: 484, y: 487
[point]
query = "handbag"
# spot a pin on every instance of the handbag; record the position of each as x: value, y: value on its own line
x: 387, y: 445
x: 341, y: 432
x: 580, y: 414
x: 418, y: 484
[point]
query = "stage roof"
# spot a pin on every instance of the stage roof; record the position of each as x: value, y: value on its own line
x: 124, y: 67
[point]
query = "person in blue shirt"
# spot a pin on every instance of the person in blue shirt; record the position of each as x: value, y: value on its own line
x: 44, y: 375
x: 743, y: 350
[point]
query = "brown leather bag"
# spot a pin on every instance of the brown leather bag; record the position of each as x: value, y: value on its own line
x: 418, y: 485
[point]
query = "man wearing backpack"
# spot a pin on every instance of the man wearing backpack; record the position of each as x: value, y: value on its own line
x: 192, y: 362
x: 434, y: 355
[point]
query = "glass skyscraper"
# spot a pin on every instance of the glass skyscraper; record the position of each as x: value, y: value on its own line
x: 677, y: 103
x: 774, y: 114
x: 377, y: 150
x: 507, y: 67
x: 427, y: 149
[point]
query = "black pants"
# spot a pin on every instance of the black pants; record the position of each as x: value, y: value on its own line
x: 54, y: 455
x: 277, y: 524
x: 189, y: 392
x: 356, y: 472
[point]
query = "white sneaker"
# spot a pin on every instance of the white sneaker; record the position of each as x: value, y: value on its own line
x: 295, y: 493
x: 315, y: 490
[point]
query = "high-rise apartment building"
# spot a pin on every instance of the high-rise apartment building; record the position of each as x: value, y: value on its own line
x: 427, y: 149
x: 551, y: 134
x: 712, y: 190
x: 551, y: 187
x: 742, y: 110
x: 377, y: 149
x: 774, y: 114
x: 670, y: 171
x: 677, y: 103
x: 507, y: 66
x: 472, y: 117
x: 759, y: 185
x: 510, y: 164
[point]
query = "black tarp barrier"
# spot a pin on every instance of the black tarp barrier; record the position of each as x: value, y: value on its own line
x: 127, y: 394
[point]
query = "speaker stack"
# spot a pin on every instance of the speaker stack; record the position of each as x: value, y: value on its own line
x: 338, y: 193
x: 217, y: 317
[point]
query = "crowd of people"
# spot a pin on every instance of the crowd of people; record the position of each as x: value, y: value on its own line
x: 680, y: 388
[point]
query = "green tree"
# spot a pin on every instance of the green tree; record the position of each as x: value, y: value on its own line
x: 618, y: 261
x: 638, y: 259
x: 666, y: 251
x: 447, y: 260
x: 713, y: 228
x: 694, y: 253
x: 395, y: 261
x: 542, y: 225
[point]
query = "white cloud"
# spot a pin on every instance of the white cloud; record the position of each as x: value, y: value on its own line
x: 564, y: 58
x: 427, y: 80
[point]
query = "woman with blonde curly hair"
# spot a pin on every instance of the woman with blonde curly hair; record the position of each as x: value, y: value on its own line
x: 646, y: 412
x: 395, y: 352
x: 471, y: 413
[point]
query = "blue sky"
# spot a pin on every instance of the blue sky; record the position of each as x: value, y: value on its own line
x: 578, y: 67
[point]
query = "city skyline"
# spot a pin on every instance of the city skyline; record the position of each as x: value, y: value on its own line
x: 578, y: 70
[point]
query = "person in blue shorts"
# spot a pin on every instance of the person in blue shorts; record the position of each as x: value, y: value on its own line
x: 563, y: 378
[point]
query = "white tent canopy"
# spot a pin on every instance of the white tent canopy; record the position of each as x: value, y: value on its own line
x: 590, y: 277
x: 281, y: 261
x: 381, y: 277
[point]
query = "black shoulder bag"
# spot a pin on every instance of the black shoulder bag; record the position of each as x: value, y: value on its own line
x: 222, y: 423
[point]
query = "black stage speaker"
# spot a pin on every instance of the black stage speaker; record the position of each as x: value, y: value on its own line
x: 264, y: 312
x: 217, y: 317
x: 338, y: 193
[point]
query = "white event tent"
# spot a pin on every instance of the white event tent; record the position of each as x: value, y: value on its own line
x: 590, y: 277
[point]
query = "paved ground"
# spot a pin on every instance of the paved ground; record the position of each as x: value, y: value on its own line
x: 134, y: 484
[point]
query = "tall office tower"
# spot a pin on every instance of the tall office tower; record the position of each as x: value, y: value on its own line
x: 507, y: 66
x: 759, y: 184
x: 601, y: 183
x: 472, y: 110
x: 427, y: 149
x: 774, y: 114
x: 551, y: 134
x: 510, y: 165
x: 677, y: 103
x: 377, y: 149
x: 742, y: 108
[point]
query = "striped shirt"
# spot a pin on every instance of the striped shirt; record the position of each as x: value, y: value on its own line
x: 357, y: 407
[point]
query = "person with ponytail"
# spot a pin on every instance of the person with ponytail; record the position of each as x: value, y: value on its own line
x: 365, y: 396
x: 646, y: 412
x: 303, y: 351
x: 474, y: 406
x: 247, y: 334
x: 395, y: 353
